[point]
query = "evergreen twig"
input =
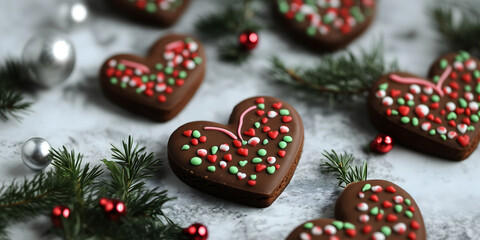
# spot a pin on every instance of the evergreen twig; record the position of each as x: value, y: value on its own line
x: 341, y: 167
x: 12, y: 102
x: 342, y: 75
x: 459, y: 23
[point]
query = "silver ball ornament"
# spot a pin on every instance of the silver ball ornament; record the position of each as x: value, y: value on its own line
x: 49, y: 57
x: 71, y: 13
x: 35, y: 153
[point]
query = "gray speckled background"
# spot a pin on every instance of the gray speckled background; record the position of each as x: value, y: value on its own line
x: 77, y: 115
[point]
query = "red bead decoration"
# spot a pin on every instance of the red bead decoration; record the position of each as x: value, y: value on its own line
x: 59, y: 212
x: 196, y: 231
x: 114, y: 209
x: 248, y: 40
x: 382, y: 143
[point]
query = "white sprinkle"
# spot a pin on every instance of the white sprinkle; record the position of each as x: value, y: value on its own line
x: 362, y: 206
x: 415, y: 89
x: 451, y: 106
x: 378, y: 236
x: 380, y: 93
x: 387, y: 101
x: 330, y: 230
x: 272, y: 114
x: 426, y: 126
x: 400, y: 228
x: 317, y: 230
x: 112, y: 63
x: 473, y: 106
x: 271, y: 160
x: 224, y: 147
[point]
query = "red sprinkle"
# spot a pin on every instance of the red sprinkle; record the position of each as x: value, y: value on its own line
x: 260, y: 100
x: 366, y: 229
x: 251, y: 182
x: 424, y: 98
x: 387, y: 204
x: 454, y: 85
x: 391, y: 218
x: 227, y: 157
x: 264, y: 120
x: 403, y: 110
x: 454, y: 95
x: 212, y: 158
x: 467, y: 77
x: 453, y: 75
x: 273, y: 134
x: 277, y: 105
x: 250, y: 132
x: 379, y: 216
x: 162, y: 98
x: 187, y: 133
x: 391, y: 189
x: 459, y: 111
x: 395, y: 93
x: 286, y: 119
x: 260, y: 167
x: 412, y: 236
x: 374, y: 198
x: 434, y: 105
x: 466, y: 121
x: 452, y: 123
x: 203, y: 139
x: 415, y: 225
x: 260, y: 112
x: 242, y: 152
x: 281, y: 153
x: 277, y: 166
x: 412, y: 209
x: 266, y: 129
x: 194, y: 141
x: 237, y: 143
x: 351, y: 232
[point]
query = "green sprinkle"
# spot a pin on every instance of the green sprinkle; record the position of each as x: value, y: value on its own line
x: 158, y: 66
x: 214, y: 149
x: 470, y: 128
x: 327, y: 19
x: 284, y: 112
x: 198, y: 60
x: 123, y: 85
x: 233, y: 170
x: 409, y: 214
x: 415, y: 121
x: 139, y: 90
x: 262, y: 152
x: 443, y: 63
x: 382, y: 212
x: 282, y: 144
x: 459, y: 58
x: 435, y: 98
x: 283, y: 7
x: 383, y: 86
x: 188, y: 39
x: 357, y: 14
x: 242, y: 163
x: 211, y: 168
x: 465, y: 55
x: 407, y: 201
x: 432, y: 132
x: 444, y: 138
x: 386, y: 230
x: 394, y: 112
x: 467, y: 88
x: 113, y: 80
x: 462, y: 102
x: 474, y: 118
x: 185, y: 147
x: 261, y: 106
x: 348, y: 225
x: 253, y: 176
x: 398, y: 208
x: 311, y: 31
x: 287, y: 139
x: 244, y: 142
x: 151, y: 7
x: 168, y: 70
x: 265, y: 142
x: 196, y: 161
x: 338, y: 224
x: 182, y: 74
x: 299, y: 17
x: 257, y: 125
x: 121, y: 67
x: 410, y: 103
x: 366, y: 187
x: 476, y: 74
x: 401, y: 101
x: 256, y: 160
x: 374, y: 211
x: 196, y: 134
x: 405, y: 119
x: 145, y: 78
x: 308, y: 225
x: 477, y: 88
x: 171, y: 81
x: 435, y: 79
x: 271, y: 169
x: 451, y: 116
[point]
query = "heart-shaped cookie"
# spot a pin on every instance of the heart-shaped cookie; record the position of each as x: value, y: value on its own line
x: 438, y: 115
x: 160, y: 85
x: 155, y: 12
x: 373, y: 209
x: 250, y: 160
x: 326, y: 25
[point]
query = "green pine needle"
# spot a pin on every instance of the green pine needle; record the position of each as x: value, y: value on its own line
x: 459, y: 23
x: 341, y: 167
x: 335, y: 75
x: 12, y: 102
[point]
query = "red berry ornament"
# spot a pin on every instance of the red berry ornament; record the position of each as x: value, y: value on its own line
x: 114, y: 209
x: 59, y: 212
x: 248, y: 40
x: 382, y: 143
x: 196, y: 231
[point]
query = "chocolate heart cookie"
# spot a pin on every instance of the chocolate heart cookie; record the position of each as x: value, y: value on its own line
x: 160, y: 85
x: 155, y: 12
x: 325, y: 25
x: 250, y: 160
x: 438, y: 115
x: 373, y: 209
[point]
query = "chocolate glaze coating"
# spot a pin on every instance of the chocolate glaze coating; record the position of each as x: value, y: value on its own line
x: 413, y: 136
x: 161, y: 18
x: 224, y: 184
x: 323, y: 43
x: 150, y: 106
x: 347, y: 211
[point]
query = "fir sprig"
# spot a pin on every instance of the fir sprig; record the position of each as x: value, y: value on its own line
x: 459, y: 23
x: 335, y: 75
x: 226, y: 26
x: 79, y: 186
x: 12, y: 102
x: 341, y: 167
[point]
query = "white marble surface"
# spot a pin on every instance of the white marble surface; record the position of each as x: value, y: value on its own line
x: 77, y: 115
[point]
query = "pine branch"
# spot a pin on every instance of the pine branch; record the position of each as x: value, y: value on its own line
x: 459, y: 23
x: 339, y: 76
x: 12, y: 103
x: 231, y: 51
x: 341, y: 167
